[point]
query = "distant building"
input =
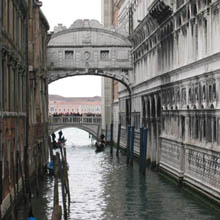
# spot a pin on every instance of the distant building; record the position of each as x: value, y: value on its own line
x: 68, y: 105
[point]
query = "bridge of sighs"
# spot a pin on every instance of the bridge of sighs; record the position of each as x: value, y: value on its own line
x: 87, y: 48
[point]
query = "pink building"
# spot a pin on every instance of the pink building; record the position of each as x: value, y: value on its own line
x: 68, y: 105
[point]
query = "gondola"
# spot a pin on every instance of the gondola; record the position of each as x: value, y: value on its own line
x: 99, y: 147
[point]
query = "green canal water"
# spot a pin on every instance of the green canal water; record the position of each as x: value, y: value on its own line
x: 104, y: 188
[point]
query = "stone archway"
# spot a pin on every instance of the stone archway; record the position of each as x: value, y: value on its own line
x: 93, y: 130
x: 87, y: 48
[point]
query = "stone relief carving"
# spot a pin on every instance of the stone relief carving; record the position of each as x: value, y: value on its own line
x: 87, y: 38
x: 96, y: 24
x: 86, y: 23
x: 205, y: 167
x: 87, y: 55
x: 59, y: 27
x: 170, y: 153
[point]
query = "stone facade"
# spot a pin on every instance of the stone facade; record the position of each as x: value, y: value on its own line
x: 37, y: 89
x: 175, y: 86
x: 16, y: 88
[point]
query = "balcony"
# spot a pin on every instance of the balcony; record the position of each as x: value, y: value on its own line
x: 160, y: 10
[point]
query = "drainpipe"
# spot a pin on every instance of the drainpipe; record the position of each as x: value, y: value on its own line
x: 1, y: 106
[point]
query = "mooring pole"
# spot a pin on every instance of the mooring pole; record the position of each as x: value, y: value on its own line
x: 57, y: 210
x: 141, y: 149
x: 1, y: 106
x: 111, y: 138
x: 118, y: 141
x: 22, y: 177
x: 61, y: 173
x: 128, y: 144
x: 145, y: 132
x: 132, y: 145
x: 106, y: 133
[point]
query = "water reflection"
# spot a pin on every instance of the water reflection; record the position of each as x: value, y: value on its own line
x: 104, y: 188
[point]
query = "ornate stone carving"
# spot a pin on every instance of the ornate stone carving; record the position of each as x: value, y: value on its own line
x: 86, y: 23
x: 59, y: 28
x: 203, y: 166
x: 87, y: 55
x: 87, y: 38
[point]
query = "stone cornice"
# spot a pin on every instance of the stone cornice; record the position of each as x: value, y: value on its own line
x: 91, y: 25
x: 79, y: 29
x: 92, y: 45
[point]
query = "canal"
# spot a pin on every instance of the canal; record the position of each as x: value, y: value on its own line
x: 104, y: 188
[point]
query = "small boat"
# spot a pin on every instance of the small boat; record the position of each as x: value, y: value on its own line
x: 99, y: 147
x: 50, y: 167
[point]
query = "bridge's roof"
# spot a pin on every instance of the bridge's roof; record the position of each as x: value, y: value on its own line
x: 88, y: 33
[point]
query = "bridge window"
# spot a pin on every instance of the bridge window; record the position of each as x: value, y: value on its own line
x: 69, y: 54
x: 104, y: 55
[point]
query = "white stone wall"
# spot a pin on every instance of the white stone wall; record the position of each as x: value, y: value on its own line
x: 202, y: 167
x: 176, y: 77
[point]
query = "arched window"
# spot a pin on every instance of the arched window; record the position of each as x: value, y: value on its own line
x: 158, y: 107
x: 148, y: 108
x: 190, y: 94
x: 153, y: 108
x: 214, y: 91
x: 196, y: 93
x: 197, y: 128
x: 214, y: 130
x: 203, y: 92
x: 210, y: 92
x: 204, y: 128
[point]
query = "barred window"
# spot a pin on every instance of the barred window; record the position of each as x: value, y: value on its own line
x: 69, y: 54
x: 104, y: 55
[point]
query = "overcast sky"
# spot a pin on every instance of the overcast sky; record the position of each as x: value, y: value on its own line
x: 66, y: 12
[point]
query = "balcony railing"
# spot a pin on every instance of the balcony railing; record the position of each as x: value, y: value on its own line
x: 75, y: 120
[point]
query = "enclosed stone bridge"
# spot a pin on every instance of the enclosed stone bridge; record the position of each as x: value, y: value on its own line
x: 91, y: 124
x: 87, y: 48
